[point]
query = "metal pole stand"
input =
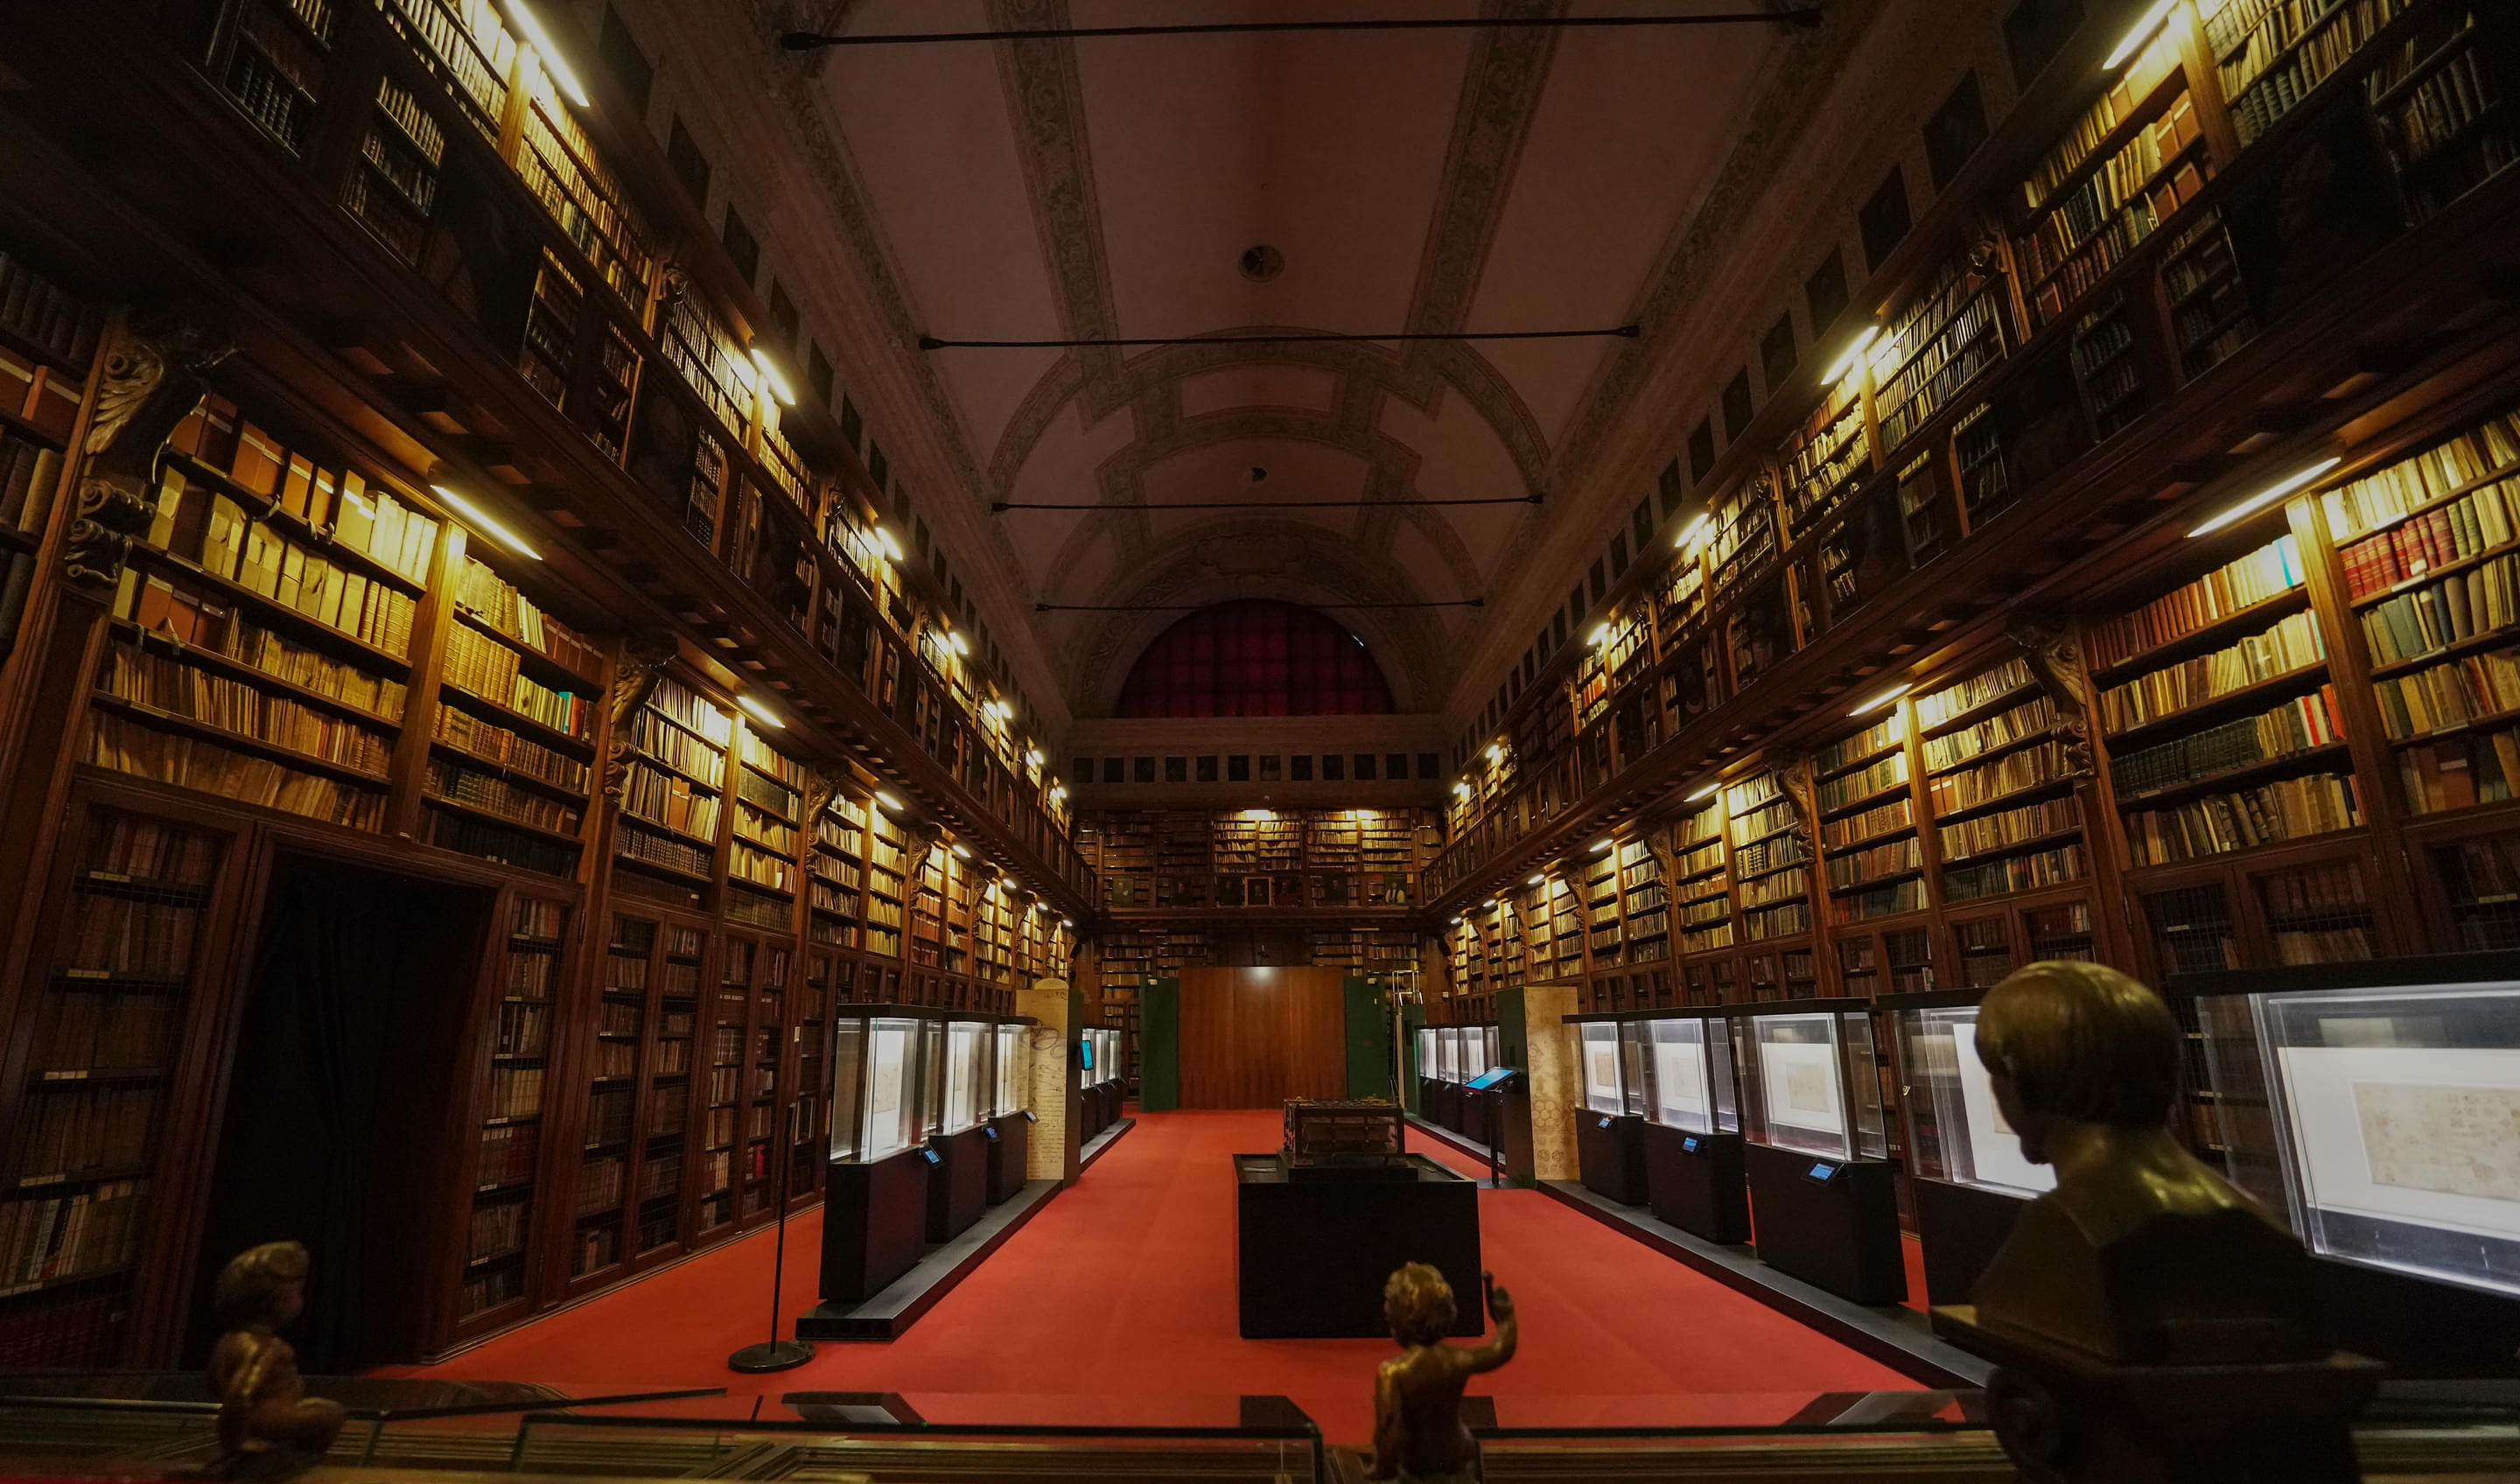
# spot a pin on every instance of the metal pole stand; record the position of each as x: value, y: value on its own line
x: 774, y: 1353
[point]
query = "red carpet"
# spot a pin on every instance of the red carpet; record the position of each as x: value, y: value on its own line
x: 1118, y: 1299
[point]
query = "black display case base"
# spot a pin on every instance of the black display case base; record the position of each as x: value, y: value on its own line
x: 958, y: 1184
x: 1100, y: 1143
x: 875, y: 1222
x: 1898, y: 1336
x: 1830, y: 1222
x: 1695, y: 1181
x: 1611, y: 1154
x: 1483, y: 1153
x: 1312, y: 1257
x: 1009, y: 1155
x: 1960, y: 1228
x: 900, y: 1303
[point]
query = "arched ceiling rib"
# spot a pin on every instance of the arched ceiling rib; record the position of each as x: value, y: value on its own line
x: 1426, y: 182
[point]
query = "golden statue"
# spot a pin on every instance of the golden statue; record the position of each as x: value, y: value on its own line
x: 268, y: 1426
x: 2140, y: 1255
x: 2150, y: 1324
x: 1419, y: 1437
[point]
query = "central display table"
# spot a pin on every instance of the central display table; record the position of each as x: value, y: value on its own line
x: 1312, y: 1255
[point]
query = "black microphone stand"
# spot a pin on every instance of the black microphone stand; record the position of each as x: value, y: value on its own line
x: 774, y: 1353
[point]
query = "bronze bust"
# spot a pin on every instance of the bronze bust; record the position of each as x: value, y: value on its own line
x: 1418, y: 1436
x: 2142, y: 1255
x: 268, y: 1426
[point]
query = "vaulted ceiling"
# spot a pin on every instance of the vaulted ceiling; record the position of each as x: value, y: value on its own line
x: 1511, y: 179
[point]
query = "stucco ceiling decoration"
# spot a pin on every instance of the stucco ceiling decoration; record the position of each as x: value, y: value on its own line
x: 1425, y: 182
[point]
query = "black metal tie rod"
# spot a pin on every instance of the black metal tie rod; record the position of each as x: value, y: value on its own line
x: 1805, y: 17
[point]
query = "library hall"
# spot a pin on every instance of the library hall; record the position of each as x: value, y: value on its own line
x: 1232, y: 742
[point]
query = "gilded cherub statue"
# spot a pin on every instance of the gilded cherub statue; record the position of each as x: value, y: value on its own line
x: 268, y: 1426
x: 1418, y: 1436
x: 2140, y: 1255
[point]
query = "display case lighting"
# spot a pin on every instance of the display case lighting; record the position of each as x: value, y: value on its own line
x: 2264, y: 497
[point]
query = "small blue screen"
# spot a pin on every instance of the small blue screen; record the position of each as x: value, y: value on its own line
x: 1084, y: 1048
x: 1823, y: 1171
x: 1691, y: 1144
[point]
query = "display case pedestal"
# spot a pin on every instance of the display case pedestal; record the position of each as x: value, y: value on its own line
x: 1829, y: 1222
x: 875, y: 1223
x: 957, y: 1183
x: 1611, y: 1154
x: 1474, y: 1116
x: 1448, y: 1106
x: 2064, y: 1414
x: 1959, y: 1227
x: 1009, y: 1155
x: 1695, y: 1181
x: 1312, y: 1255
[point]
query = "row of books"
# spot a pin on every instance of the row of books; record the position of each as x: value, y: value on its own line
x: 35, y: 308
x: 1783, y: 921
x: 2296, y: 726
x: 126, y: 746
x: 69, y: 1129
x: 677, y: 749
x: 1874, y: 862
x: 126, y: 847
x: 762, y: 868
x: 645, y: 848
x: 768, y: 831
x: 2283, y: 648
x: 2459, y: 772
x: 1885, y: 901
x: 1987, y: 686
x: 2377, y: 498
x: 2070, y: 223
x: 2471, y: 524
x: 766, y: 794
x: 449, y: 780
x: 1955, y: 352
x: 97, y: 1032
x: 213, y: 534
x: 603, y: 1181
x: 516, y: 1092
x: 2098, y: 122
x: 1864, y: 783
x: 2010, y: 827
x: 1781, y: 885
x: 340, y: 503
x: 498, y: 1229
x: 1847, y: 751
x: 2010, y: 774
x: 668, y: 800
x: 498, y: 604
x: 2267, y: 572
x: 1871, y: 824
x: 57, y: 1238
x: 2315, y: 890
x: 184, y: 612
x: 29, y: 472
x: 479, y: 666
x: 124, y: 937
x: 2449, y: 694
x: 2017, y: 873
x: 507, y: 1153
x: 503, y: 844
x: 2002, y: 730
x: 492, y: 743
x: 2287, y: 809
x: 524, y: 1030
x: 2263, y: 89
x: 674, y: 700
x: 168, y: 685
x: 2460, y: 607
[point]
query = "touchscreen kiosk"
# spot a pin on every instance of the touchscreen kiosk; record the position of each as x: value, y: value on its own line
x: 1609, y: 1129
x: 1693, y: 1131
x: 1967, y: 1177
x: 1814, y: 1148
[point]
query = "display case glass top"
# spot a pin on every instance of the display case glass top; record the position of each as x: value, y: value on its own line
x: 1808, y: 1079
x: 1689, y: 1072
x: 1960, y: 1135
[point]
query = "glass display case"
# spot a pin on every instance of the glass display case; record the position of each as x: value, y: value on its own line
x: 1609, y: 1133
x: 1693, y: 1133
x: 1447, y: 1053
x: 1009, y: 1118
x: 874, y: 1103
x: 1006, y: 1065
x: 876, y: 1191
x: 1967, y: 1177
x: 1815, y: 1151
x: 966, y: 1047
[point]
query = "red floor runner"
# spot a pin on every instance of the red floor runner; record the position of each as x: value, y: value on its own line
x: 1123, y: 1287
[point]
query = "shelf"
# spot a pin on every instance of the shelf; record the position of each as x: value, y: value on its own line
x: 574, y: 682
x: 1869, y: 841
x: 2215, y: 783
x: 318, y: 539
x: 2140, y: 197
x: 663, y: 766
x: 449, y: 692
x: 2485, y: 723
x: 313, y: 630
x: 477, y: 811
x: 270, y: 751
x: 2431, y: 575
x: 41, y: 354
x: 261, y: 680
x: 1993, y: 705
x: 1870, y: 883
x: 655, y: 868
x: 1859, y: 805
x: 2196, y: 716
x: 2204, y: 639
x: 2003, y: 800
x: 1992, y: 752
x: 476, y: 763
x: 667, y: 831
x: 2023, y: 846
x: 2139, y: 116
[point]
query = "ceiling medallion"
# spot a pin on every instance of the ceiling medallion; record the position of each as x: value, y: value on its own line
x: 1263, y: 263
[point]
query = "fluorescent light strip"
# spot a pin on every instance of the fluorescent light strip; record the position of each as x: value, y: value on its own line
x: 473, y: 516
x: 1853, y: 355
x: 541, y: 42
x: 1695, y: 533
x: 778, y: 383
x: 2142, y: 33
x: 1708, y: 791
x: 1601, y: 845
x: 891, y: 547
x: 2264, y: 497
x: 1882, y: 699
x: 759, y: 712
x: 886, y: 802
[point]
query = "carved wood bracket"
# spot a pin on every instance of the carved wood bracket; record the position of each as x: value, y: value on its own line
x: 2056, y: 658
x: 156, y: 371
x: 643, y: 658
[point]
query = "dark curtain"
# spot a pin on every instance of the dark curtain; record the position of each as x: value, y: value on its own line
x: 1255, y: 658
x: 334, y: 1110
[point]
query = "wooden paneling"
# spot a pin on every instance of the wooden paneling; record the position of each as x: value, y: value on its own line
x: 1256, y: 1037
